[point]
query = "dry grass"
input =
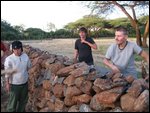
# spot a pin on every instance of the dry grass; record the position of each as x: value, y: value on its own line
x: 66, y: 47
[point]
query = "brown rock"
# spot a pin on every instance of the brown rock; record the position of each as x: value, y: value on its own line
x: 84, y: 98
x: 117, y: 75
x: 68, y: 101
x: 42, y: 103
x: 47, y: 94
x: 103, y: 84
x: 91, y: 76
x: 46, y: 109
x: 80, y: 71
x: 96, y: 105
x: 79, y: 81
x: 86, y: 87
x: 47, y: 85
x: 135, y: 90
x: 129, y: 78
x: 64, y: 72
x: 59, y: 105
x: 70, y: 80
x: 58, y: 90
x: 55, y: 67
x: 110, y: 96
x: 72, y: 91
x: 96, y: 89
x: 51, y: 105
x: 141, y: 104
x: 74, y: 108
x: 127, y: 102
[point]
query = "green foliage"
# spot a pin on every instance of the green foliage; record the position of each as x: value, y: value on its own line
x: 97, y: 27
x: 8, y: 32
x: 62, y: 33
x: 35, y: 33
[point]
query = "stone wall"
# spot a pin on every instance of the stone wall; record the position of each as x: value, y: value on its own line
x: 58, y: 85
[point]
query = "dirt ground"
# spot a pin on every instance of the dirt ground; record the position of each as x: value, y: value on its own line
x: 65, y: 47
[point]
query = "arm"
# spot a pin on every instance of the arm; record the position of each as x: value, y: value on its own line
x: 7, y: 66
x: 144, y: 55
x: 75, y: 55
x: 108, y: 63
x: 94, y: 46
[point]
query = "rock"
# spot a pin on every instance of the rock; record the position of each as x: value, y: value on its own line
x: 103, y: 84
x: 80, y: 71
x: 55, y: 67
x: 79, y: 81
x: 46, y: 109
x: 141, y: 104
x: 91, y: 76
x: 96, y: 105
x: 64, y: 72
x: 74, y: 108
x: 51, y: 106
x: 127, y: 102
x: 117, y: 75
x: 47, y: 94
x: 110, y: 96
x: 70, y: 80
x: 72, y: 91
x: 135, y: 90
x: 59, y: 105
x: 58, y: 90
x: 129, y: 78
x: 68, y: 101
x: 120, y: 83
x: 96, y: 89
x: 86, y: 87
x: 47, y: 85
x: 116, y: 109
x: 42, y: 103
x: 84, y: 98
x: 85, y: 108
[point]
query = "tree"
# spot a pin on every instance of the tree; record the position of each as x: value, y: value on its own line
x: 106, y: 7
x: 91, y: 22
x: 20, y: 28
x: 51, y: 27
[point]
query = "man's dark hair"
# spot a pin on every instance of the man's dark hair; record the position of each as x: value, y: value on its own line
x: 83, y: 29
x: 122, y: 29
x: 17, y: 44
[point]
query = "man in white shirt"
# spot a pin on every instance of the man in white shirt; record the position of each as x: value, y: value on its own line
x: 120, y: 56
x: 16, y: 84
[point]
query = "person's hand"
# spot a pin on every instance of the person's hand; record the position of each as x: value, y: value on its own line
x: 115, y: 69
x: 83, y: 40
x: 7, y: 87
x: 75, y: 61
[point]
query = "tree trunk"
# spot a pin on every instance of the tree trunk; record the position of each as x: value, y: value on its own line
x: 146, y: 32
x: 138, y: 35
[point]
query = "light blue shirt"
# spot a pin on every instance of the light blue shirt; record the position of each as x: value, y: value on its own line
x: 124, y: 59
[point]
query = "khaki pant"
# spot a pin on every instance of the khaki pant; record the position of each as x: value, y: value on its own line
x: 18, y: 98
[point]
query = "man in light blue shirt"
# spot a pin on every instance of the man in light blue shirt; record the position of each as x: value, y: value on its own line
x: 120, y: 56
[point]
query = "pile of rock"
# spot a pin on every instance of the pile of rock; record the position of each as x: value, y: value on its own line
x: 58, y: 85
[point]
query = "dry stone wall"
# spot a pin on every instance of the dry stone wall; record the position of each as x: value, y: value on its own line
x: 58, y: 85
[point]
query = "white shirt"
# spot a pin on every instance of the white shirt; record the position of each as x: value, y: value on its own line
x: 22, y: 63
x: 124, y: 59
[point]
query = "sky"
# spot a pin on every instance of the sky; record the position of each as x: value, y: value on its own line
x: 38, y: 14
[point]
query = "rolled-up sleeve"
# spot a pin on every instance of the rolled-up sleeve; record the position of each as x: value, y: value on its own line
x: 137, y: 49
